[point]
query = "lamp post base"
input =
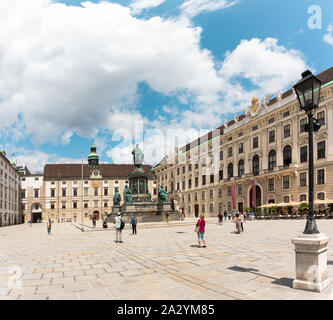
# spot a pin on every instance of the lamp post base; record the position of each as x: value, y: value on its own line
x: 311, y: 262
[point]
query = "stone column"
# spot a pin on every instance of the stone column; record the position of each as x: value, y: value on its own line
x: 311, y: 262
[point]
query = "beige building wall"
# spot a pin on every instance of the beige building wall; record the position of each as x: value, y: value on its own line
x: 10, y: 211
x: 281, y: 116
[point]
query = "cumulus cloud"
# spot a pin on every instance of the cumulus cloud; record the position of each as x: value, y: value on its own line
x: 66, y: 137
x: 328, y: 37
x: 193, y: 8
x: 139, y: 5
x: 64, y: 67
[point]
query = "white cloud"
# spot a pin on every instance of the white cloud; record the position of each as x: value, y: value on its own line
x: 63, y: 67
x: 139, y: 5
x: 66, y: 137
x: 193, y: 8
x: 36, y: 159
x: 328, y: 37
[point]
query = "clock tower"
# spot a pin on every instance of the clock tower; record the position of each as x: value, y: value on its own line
x: 93, y: 164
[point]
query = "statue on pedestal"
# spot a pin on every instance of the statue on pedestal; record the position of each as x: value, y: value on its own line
x: 127, y: 195
x: 162, y: 195
x: 116, y: 198
x: 137, y: 156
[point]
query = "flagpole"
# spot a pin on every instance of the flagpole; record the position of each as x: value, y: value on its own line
x: 82, y: 194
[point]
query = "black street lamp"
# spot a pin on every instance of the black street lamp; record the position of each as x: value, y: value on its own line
x: 308, y: 94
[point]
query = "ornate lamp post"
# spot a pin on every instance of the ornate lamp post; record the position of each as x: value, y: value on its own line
x: 308, y: 94
x: 311, y: 246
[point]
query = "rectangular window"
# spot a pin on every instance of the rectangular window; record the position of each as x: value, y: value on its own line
x: 106, y: 191
x: 221, y: 155
x: 285, y: 182
x: 321, y: 150
x: 86, y: 204
x: 254, y: 128
x: 241, y: 147
x: 63, y: 205
x: 220, y: 175
x: 229, y: 191
x: 271, y: 120
x: 271, y: 136
x: 52, y: 206
x: 229, y: 139
x: 304, y: 154
x: 36, y: 193
x: 196, y: 182
x: 211, y: 194
x: 189, y: 197
x: 255, y: 143
x: 203, y: 195
x: 302, y: 124
x: 203, y: 180
x: 86, y: 191
x: 321, y: 117
x: 240, y: 190
x: 271, y: 184
x: 302, y: 179
x: 286, y: 114
x: 74, y: 205
x: 23, y: 194
x: 75, y: 192
x: 63, y: 192
x: 105, y: 204
x: 183, y: 185
x: 230, y: 152
x: 286, y: 131
x: 189, y: 167
x: 211, y: 178
x: 95, y: 191
x: 189, y: 183
x: 320, y: 176
x: 178, y: 171
x: 183, y: 169
x: 240, y: 134
x: 220, y: 192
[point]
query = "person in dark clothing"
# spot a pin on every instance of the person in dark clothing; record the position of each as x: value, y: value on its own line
x: 134, y: 222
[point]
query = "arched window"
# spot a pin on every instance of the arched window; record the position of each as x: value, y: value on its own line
x: 286, y: 199
x: 255, y: 165
x: 302, y: 198
x: 240, y: 168
x: 271, y: 160
x: 287, y: 156
x: 321, y: 196
x: 211, y: 208
x: 229, y: 206
x: 230, y: 170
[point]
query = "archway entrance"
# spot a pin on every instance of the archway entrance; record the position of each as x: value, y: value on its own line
x: 196, y: 210
x: 257, y: 197
x: 36, y: 212
x: 96, y: 215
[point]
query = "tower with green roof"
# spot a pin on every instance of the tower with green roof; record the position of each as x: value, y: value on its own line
x: 93, y: 158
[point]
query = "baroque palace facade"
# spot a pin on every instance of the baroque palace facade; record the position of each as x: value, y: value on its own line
x: 60, y: 193
x: 10, y: 209
x: 257, y: 158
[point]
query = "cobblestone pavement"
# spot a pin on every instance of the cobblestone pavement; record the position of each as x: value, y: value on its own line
x: 160, y: 262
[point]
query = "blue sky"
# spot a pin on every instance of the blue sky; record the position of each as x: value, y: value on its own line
x: 75, y: 73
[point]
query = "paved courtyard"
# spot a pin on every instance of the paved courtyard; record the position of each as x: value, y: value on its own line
x: 160, y: 262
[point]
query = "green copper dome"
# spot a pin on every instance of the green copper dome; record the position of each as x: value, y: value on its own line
x: 93, y: 157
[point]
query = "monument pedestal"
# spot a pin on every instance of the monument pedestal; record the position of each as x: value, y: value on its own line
x: 311, y: 262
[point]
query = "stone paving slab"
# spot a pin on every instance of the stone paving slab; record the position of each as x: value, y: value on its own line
x: 161, y: 263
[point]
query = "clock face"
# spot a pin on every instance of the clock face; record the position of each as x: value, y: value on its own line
x: 96, y: 172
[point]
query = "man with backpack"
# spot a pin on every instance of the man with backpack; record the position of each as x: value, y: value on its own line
x: 119, y: 227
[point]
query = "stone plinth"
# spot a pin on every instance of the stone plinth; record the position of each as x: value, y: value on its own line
x: 311, y: 262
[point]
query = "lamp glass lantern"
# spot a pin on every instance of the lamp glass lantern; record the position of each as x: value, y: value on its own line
x: 308, y: 91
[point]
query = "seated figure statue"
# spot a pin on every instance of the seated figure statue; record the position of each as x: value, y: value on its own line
x: 162, y: 195
x: 116, y: 198
x: 127, y: 195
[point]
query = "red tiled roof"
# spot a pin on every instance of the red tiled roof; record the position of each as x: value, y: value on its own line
x: 73, y: 170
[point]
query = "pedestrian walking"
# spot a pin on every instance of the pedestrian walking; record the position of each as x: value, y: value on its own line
x: 225, y: 213
x: 104, y: 225
x: 48, y: 226
x: 200, y: 229
x: 233, y: 215
x: 167, y: 216
x: 134, y: 222
x: 94, y: 222
x: 220, y: 216
x: 238, y: 223
x: 242, y: 221
x: 119, y: 227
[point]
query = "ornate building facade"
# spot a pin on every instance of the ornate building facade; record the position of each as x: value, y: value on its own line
x: 257, y: 158
x: 10, y: 210
x: 60, y: 193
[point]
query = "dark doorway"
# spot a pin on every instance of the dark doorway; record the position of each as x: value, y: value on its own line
x: 36, y: 217
x: 96, y: 215
x: 258, y: 197
x: 240, y: 206
x: 196, y: 210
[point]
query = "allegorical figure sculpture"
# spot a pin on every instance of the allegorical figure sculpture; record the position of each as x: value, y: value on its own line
x: 162, y: 195
x: 127, y: 195
x: 116, y: 198
x: 137, y: 156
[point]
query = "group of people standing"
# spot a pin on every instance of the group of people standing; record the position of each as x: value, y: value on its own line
x: 238, y: 217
